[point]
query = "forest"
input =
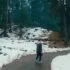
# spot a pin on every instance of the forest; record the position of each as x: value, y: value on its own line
x: 50, y: 14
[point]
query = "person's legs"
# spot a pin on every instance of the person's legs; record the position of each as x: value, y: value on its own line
x: 40, y: 57
x: 37, y: 56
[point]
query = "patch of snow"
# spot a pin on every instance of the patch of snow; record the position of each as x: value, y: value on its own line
x: 13, y: 36
x: 61, y: 62
x: 35, y: 33
x: 1, y: 30
x: 13, y: 49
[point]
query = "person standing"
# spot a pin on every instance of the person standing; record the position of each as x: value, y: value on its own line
x: 39, y: 52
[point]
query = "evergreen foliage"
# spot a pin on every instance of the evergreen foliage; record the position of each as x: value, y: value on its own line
x: 34, y: 13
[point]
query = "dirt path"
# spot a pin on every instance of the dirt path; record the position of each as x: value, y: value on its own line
x: 28, y: 62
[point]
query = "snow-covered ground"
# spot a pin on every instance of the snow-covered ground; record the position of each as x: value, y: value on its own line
x: 29, y: 33
x: 36, y: 33
x: 61, y: 62
x: 12, y: 48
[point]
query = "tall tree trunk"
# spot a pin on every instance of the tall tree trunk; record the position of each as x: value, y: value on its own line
x: 6, y: 21
x: 65, y: 25
x: 63, y: 22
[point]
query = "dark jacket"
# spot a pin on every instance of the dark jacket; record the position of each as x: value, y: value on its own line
x: 39, y: 48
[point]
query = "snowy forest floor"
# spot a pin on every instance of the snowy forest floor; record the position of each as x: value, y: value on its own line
x: 28, y: 62
x: 19, y: 54
x: 11, y: 51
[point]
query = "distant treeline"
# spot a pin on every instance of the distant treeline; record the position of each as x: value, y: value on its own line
x: 49, y: 14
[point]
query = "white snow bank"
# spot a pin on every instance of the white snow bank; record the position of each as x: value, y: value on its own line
x: 11, y: 49
x: 35, y: 32
x: 61, y: 63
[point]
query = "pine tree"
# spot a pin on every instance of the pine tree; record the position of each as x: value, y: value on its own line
x: 41, y: 14
x: 3, y: 16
